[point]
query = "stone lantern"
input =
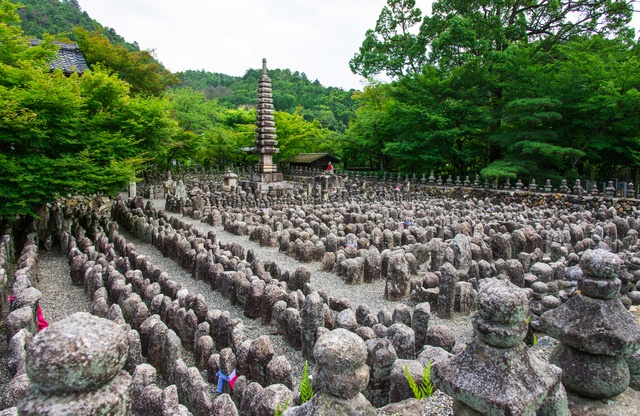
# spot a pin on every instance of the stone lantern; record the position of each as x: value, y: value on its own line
x: 230, y: 181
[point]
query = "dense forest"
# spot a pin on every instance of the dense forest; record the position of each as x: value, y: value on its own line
x: 508, y: 88
x: 514, y: 89
x: 60, y: 17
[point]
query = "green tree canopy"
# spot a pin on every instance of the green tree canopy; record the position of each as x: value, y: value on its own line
x: 66, y: 135
x: 139, y: 68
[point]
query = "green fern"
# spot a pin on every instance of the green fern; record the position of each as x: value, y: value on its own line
x: 306, y: 389
x: 425, y: 389
x: 279, y: 411
x: 534, y: 341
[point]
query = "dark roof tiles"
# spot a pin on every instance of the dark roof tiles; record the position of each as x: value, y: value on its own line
x: 69, y: 58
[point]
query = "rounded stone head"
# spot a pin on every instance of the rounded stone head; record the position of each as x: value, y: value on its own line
x: 600, y: 264
x: 501, y: 320
x: 341, y: 368
x: 79, y: 353
x: 601, y: 269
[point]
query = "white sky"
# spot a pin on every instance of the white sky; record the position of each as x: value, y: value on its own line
x: 317, y: 37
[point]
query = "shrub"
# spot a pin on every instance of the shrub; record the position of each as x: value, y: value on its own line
x: 425, y: 389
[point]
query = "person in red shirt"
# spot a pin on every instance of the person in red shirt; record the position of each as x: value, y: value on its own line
x: 330, y: 168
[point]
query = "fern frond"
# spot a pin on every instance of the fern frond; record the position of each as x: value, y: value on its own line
x: 279, y: 411
x: 412, y: 383
x: 425, y: 389
x: 306, y: 389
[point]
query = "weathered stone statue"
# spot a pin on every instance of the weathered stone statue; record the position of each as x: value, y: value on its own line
x: 76, y: 367
x: 595, y: 330
x: 340, y: 375
x: 496, y: 374
x: 230, y: 181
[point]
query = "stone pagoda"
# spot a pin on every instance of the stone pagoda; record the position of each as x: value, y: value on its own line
x: 265, y: 171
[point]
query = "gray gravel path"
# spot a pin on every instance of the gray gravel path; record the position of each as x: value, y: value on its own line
x: 214, y: 300
x: 60, y: 298
x: 369, y: 294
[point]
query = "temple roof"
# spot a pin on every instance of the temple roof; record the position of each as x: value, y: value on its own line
x: 312, y: 157
x: 69, y: 58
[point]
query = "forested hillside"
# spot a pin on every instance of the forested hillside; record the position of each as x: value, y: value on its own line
x: 60, y: 17
x: 331, y: 106
x: 96, y: 132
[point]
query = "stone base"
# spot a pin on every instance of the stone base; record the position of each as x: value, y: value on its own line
x: 267, y: 177
x: 625, y: 404
x: 113, y: 399
x: 323, y: 404
x: 268, y: 186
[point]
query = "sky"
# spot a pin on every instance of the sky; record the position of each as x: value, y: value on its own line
x: 317, y: 37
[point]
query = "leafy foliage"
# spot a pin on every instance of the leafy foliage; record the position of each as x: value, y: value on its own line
x: 392, y: 47
x: 425, y: 389
x: 306, y: 389
x: 533, y: 89
x: 140, y: 69
x: 293, y: 93
x: 61, y: 135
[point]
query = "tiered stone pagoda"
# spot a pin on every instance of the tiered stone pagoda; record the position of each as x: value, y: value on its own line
x: 265, y: 171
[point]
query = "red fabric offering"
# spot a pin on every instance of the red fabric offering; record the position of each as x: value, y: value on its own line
x: 42, y: 323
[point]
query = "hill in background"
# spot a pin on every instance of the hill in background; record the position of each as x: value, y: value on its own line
x: 293, y: 91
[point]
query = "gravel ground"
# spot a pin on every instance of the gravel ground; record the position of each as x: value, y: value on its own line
x: 60, y: 298
x: 214, y: 300
x: 370, y: 294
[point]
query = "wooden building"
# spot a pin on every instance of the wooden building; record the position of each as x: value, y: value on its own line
x: 312, y: 160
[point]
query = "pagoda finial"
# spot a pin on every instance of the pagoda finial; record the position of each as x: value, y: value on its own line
x: 264, y: 65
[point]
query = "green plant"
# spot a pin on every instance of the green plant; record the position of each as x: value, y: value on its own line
x: 306, y: 389
x: 279, y: 411
x: 425, y: 389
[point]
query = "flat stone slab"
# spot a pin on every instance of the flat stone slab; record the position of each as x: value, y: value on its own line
x: 512, y: 381
x: 596, y: 326
x: 625, y: 404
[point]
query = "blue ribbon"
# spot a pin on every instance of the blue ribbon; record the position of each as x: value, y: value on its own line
x: 222, y: 378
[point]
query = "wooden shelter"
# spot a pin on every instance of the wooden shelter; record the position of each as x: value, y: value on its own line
x: 312, y: 160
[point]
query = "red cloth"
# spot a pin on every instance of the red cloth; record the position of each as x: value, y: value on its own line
x: 42, y: 323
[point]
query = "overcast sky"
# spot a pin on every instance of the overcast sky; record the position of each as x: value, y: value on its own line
x: 317, y: 37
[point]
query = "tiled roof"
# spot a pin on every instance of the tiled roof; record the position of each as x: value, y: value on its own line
x: 69, y: 58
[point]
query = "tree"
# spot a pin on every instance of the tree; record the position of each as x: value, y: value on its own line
x: 58, y: 18
x: 568, y: 109
x: 461, y: 29
x: 439, y: 121
x: 139, y: 68
x: 392, y: 47
x: 296, y: 135
x: 365, y: 139
x: 66, y: 135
